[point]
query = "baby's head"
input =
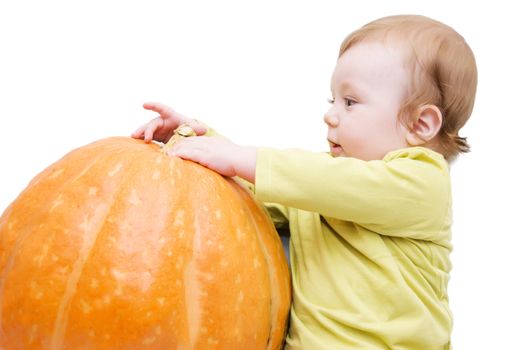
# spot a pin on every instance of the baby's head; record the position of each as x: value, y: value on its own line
x: 401, y: 81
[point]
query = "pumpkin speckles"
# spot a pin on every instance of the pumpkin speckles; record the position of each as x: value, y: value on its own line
x: 218, y: 214
x: 134, y: 198
x: 156, y: 175
x: 115, y: 170
x: 58, y: 201
x: 56, y: 173
x: 119, y: 246
x: 179, y: 218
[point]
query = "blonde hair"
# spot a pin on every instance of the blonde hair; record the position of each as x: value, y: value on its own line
x: 443, y: 69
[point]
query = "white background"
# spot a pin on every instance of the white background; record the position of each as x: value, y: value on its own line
x: 73, y: 72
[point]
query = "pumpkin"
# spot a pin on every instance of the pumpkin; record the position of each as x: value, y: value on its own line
x: 118, y: 246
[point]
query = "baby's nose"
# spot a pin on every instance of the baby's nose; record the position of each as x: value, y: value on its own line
x: 330, y: 119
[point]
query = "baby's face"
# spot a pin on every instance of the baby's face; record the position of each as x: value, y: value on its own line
x: 368, y: 86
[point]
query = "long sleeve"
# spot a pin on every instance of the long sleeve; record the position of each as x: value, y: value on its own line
x: 407, y: 194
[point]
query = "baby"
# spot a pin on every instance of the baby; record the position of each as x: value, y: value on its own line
x: 370, y: 221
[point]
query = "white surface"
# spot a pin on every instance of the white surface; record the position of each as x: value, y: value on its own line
x: 72, y: 73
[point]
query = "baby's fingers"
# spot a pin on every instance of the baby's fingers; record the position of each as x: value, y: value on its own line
x: 163, y: 110
x: 152, y: 127
x: 138, y: 134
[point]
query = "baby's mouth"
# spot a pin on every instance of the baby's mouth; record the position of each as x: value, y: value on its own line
x: 335, y: 148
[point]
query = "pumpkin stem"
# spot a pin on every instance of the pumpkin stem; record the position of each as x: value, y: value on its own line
x: 184, y: 130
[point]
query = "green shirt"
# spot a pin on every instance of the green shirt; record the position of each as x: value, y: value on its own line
x: 369, y: 247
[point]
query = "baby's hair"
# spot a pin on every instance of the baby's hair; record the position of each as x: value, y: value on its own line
x: 443, y: 68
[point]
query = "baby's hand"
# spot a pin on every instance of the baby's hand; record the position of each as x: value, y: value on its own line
x: 161, y: 128
x: 218, y: 154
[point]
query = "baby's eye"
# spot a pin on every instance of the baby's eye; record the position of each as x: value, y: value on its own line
x: 330, y: 100
x: 349, y: 102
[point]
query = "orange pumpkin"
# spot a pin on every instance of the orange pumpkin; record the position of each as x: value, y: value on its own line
x: 118, y: 246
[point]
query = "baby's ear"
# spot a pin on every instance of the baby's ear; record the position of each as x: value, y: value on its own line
x: 425, y: 126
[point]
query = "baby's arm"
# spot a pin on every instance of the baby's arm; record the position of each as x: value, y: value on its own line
x: 405, y: 194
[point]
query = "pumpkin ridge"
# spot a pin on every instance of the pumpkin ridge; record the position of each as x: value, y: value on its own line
x: 271, y: 270
x: 91, y: 227
x: 94, y: 227
x: 9, y: 266
x: 273, y: 295
x: 192, y: 286
x: 122, y: 199
x: 21, y: 239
